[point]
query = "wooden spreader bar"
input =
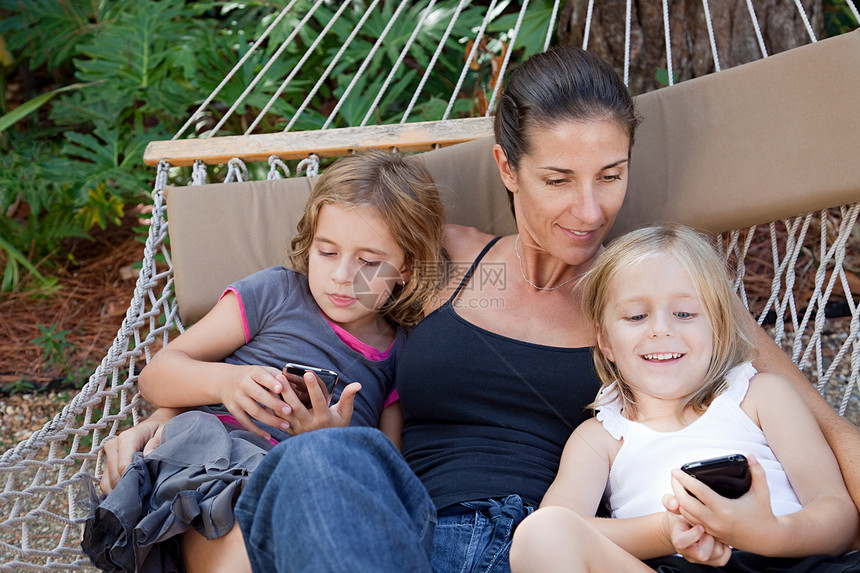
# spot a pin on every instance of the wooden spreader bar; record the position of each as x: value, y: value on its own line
x: 326, y: 143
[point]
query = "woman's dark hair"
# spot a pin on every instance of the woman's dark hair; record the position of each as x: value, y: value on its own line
x: 564, y: 83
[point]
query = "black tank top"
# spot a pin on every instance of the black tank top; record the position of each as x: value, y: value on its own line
x: 485, y: 415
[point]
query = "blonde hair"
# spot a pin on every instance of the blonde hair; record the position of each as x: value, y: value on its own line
x: 732, y: 344
x: 402, y: 192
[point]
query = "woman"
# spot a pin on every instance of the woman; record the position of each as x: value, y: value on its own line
x: 497, y: 375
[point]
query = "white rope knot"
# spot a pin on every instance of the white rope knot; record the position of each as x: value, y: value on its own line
x: 275, y: 168
x: 198, y: 173
x: 311, y: 165
x: 237, y: 171
x: 161, y: 176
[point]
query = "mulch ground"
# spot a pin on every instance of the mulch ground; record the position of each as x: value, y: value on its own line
x: 84, y: 313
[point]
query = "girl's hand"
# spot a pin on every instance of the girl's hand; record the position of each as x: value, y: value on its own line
x: 744, y: 522
x: 301, y: 419
x: 144, y: 437
x: 256, y: 394
x: 691, y: 541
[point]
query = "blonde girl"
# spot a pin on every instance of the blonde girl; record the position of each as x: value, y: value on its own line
x: 366, y: 256
x: 677, y: 387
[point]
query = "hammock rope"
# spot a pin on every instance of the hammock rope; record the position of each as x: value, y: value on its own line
x: 757, y: 29
x: 441, y: 44
x: 713, y: 42
x: 234, y: 70
x: 396, y: 67
x: 319, y: 38
x: 585, y: 35
x: 507, y: 58
x: 628, y: 22
x: 365, y: 63
x: 274, y: 58
x: 335, y: 60
x: 551, y: 26
x: 666, y: 32
x: 470, y: 58
x: 802, y: 11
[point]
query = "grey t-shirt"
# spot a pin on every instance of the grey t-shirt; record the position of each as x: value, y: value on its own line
x: 284, y: 324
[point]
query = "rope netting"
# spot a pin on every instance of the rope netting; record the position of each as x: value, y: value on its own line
x: 49, y: 477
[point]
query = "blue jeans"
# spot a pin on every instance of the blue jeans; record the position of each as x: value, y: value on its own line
x: 475, y: 536
x: 344, y: 499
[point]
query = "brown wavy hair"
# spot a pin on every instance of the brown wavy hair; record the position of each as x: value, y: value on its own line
x: 402, y: 191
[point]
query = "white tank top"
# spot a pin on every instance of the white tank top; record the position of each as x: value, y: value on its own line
x: 639, y: 476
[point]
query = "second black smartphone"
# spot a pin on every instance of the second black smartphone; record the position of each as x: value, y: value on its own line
x: 729, y: 475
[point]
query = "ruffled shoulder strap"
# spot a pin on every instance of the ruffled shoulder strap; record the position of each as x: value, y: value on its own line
x: 738, y: 382
x: 608, y: 411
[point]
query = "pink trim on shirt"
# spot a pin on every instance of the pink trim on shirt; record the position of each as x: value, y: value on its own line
x: 228, y: 419
x: 363, y: 348
x: 392, y: 398
x: 242, y: 310
x: 366, y: 350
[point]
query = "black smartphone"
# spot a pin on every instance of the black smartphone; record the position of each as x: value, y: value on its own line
x: 729, y: 475
x: 328, y: 377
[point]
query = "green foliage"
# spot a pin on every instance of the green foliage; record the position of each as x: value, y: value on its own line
x: 74, y: 157
x: 662, y: 76
x: 54, y: 345
x: 31, y: 106
x: 838, y: 17
x: 103, y: 78
x: 20, y: 386
x: 533, y: 29
x: 48, y: 31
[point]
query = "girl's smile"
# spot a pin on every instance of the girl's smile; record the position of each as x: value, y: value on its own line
x: 657, y: 331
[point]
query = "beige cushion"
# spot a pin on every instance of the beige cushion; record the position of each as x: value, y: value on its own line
x: 771, y: 139
x: 757, y: 143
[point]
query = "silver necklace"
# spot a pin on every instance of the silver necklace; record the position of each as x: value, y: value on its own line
x: 523, y: 272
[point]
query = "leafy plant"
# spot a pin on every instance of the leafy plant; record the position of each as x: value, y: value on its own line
x: 662, y: 76
x: 54, y: 344
x: 99, y: 80
x: 838, y: 17
x: 74, y: 159
x: 25, y: 109
x: 20, y: 386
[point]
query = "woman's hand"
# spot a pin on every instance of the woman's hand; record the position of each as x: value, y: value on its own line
x: 256, y: 394
x: 144, y: 437
x: 691, y: 541
x: 747, y: 521
x: 301, y: 419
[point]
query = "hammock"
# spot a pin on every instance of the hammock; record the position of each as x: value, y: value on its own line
x: 714, y: 152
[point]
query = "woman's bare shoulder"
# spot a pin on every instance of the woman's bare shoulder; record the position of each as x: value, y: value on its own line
x: 464, y: 243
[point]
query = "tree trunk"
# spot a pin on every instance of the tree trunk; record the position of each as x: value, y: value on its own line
x: 781, y: 27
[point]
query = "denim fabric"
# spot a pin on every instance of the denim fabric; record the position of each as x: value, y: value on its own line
x: 475, y: 536
x: 340, y: 499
